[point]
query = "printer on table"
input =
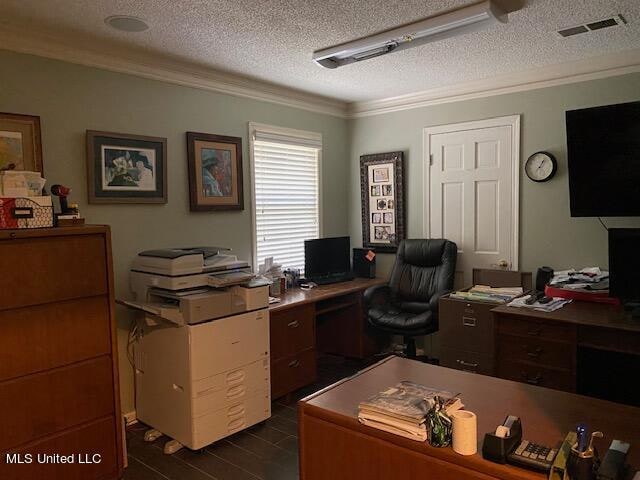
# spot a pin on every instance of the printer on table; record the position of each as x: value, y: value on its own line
x: 201, y: 354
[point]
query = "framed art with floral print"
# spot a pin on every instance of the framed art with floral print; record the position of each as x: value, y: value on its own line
x: 382, y: 194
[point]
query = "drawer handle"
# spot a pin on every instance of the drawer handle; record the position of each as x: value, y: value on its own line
x: 469, y: 321
x: 293, y: 324
x: 294, y: 364
x: 532, y: 380
x: 534, y: 353
x: 236, y: 391
x: 468, y: 366
x: 534, y: 332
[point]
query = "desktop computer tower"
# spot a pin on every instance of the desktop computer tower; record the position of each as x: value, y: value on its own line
x: 364, y: 264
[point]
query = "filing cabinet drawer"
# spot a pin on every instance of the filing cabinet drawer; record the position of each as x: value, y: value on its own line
x: 292, y: 331
x: 52, y: 269
x: 56, y: 400
x: 72, y: 331
x: 537, y: 375
x: 536, y: 351
x: 293, y: 372
x: 556, y: 332
x: 467, y: 361
x: 466, y: 325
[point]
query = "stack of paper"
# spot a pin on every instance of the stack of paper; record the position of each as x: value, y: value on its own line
x: 402, y: 409
x: 584, y: 277
x: 485, y: 293
x: 552, y: 306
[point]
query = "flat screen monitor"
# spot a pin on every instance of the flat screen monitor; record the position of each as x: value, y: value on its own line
x: 327, y: 256
x: 603, y: 154
x: 624, y: 264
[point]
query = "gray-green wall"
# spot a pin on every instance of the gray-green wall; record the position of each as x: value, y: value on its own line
x: 548, y: 234
x: 71, y: 99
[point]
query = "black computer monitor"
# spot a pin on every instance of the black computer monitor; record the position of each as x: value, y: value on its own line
x: 325, y: 257
x: 624, y: 264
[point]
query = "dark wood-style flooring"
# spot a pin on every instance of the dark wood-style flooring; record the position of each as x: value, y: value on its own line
x: 267, y: 451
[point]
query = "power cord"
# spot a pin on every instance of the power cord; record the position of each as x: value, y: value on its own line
x: 602, y: 223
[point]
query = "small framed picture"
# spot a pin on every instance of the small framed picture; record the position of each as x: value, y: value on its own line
x: 380, y: 174
x: 382, y: 195
x: 20, y: 144
x: 215, y: 172
x: 123, y: 168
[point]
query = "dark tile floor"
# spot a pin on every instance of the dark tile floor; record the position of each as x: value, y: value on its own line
x: 268, y: 451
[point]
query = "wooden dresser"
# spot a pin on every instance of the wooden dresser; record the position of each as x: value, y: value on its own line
x: 58, y: 359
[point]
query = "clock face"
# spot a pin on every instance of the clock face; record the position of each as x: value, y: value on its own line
x: 540, y: 166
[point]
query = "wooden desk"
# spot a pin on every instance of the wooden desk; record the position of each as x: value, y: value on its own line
x: 559, y: 349
x: 334, y: 445
x: 329, y: 319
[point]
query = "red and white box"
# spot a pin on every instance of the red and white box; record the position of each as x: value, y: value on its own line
x: 26, y: 212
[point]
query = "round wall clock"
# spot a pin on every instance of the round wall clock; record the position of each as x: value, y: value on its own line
x: 541, y: 166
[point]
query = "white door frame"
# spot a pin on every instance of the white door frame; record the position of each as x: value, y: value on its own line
x: 512, y: 121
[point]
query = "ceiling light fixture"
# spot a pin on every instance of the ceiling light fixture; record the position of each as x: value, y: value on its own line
x: 464, y: 20
x: 126, y: 23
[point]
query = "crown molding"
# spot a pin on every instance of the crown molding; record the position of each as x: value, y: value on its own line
x: 164, y: 69
x: 571, y: 72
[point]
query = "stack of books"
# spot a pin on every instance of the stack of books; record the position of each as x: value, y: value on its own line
x: 484, y: 293
x: 402, y: 410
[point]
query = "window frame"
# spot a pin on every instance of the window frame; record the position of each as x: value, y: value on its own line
x: 290, y: 133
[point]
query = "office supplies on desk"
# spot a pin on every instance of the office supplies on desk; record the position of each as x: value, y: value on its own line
x: 465, y: 432
x: 583, y: 458
x: 613, y: 463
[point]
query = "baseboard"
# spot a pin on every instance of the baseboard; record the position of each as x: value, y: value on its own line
x: 130, y: 418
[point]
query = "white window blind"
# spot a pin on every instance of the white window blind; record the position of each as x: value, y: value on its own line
x: 286, y: 195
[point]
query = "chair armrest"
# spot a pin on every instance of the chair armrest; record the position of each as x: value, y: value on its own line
x: 435, y: 298
x: 377, y: 291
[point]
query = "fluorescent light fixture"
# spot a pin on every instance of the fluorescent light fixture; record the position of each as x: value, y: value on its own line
x: 456, y: 22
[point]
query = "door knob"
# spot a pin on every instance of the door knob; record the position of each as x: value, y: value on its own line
x: 503, y: 263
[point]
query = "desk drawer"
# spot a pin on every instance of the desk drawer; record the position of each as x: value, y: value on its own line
x: 536, y: 351
x: 537, y: 375
x: 46, y: 403
x: 467, y: 361
x: 72, y: 331
x: 531, y: 328
x: 292, y: 331
x: 52, y: 269
x: 466, y: 325
x: 293, y: 372
x: 609, y: 339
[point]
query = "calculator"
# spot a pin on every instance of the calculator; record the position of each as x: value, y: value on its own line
x: 533, y: 456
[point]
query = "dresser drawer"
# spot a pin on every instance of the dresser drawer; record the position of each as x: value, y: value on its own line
x: 537, y: 375
x: 95, y: 438
x: 292, y: 331
x: 52, y: 269
x: 46, y: 403
x: 531, y: 328
x: 72, y: 331
x: 466, y: 325
x: 293, y: 372
x: 467, y: 361
x: 536, y: 351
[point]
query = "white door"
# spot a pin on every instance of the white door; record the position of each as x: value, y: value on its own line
x: 472, y: 175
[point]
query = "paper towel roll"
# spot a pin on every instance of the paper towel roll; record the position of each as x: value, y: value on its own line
x: 465, y: 432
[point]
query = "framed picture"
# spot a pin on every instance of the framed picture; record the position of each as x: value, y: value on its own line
x: 20, y: 143
x: 123, y: 168
x: 215, y: 172
x: 382, y: 193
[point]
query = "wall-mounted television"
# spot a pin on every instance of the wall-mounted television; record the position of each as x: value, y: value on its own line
x: 603, y: 153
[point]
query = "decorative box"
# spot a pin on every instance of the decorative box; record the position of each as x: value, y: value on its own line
x: 25, y: 212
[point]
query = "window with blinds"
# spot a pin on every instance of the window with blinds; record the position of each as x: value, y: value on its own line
x: 286, y: 194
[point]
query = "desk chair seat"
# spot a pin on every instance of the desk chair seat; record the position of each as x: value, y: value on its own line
x: 408, y: 304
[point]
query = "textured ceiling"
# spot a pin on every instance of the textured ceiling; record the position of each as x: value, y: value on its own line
x: 273, y: 40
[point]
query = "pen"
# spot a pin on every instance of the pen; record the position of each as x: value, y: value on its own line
x: 581, y: 432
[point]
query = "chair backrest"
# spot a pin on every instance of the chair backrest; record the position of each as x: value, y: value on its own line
x: 423, y: 267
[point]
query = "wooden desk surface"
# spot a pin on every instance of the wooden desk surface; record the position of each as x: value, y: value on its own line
x: 547, y: 415
x: 581, y: 313
x: 297, y: 296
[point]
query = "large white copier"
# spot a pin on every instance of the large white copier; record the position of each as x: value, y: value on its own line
x: 201, y: 354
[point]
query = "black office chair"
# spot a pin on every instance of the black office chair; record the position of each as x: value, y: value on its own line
x: 408, y: 304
